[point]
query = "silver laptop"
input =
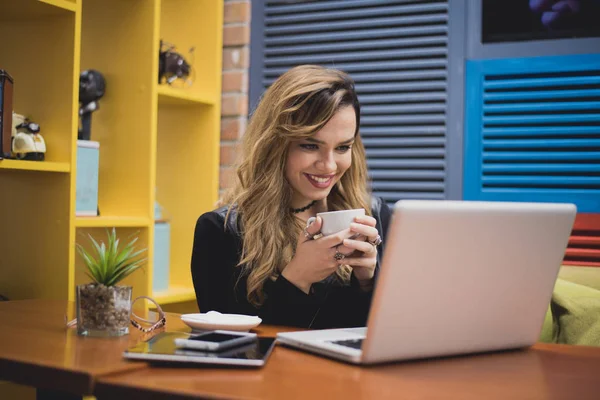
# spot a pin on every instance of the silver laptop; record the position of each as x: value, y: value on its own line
x: 457, y: 277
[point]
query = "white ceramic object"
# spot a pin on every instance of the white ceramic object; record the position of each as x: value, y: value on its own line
x: 215, y: 320
x: 335, y: 221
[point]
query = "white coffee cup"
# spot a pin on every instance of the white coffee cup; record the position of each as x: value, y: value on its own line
x: 335, y: 221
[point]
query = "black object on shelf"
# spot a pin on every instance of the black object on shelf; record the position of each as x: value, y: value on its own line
x: 92, y: 86
x: 171, y: 64
x: 6, y: 110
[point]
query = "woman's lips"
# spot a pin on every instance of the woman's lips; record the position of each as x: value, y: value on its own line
x: 320, y: 181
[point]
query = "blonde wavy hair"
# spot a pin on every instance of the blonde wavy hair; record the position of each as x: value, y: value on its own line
x: 295, y: 106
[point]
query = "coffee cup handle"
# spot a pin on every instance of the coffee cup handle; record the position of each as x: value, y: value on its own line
x: 310, y: 221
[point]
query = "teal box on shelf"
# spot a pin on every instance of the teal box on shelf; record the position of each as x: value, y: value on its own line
x: 86, y: 186
x: 162, y: 243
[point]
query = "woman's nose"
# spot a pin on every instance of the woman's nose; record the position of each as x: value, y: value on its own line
x: 327, y: 162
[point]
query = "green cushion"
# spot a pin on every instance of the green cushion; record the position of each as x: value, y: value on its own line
x: 573, y: 316
x: 546, y: 334
x: 587, y: 276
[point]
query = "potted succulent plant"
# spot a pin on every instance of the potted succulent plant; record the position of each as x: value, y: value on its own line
x: 103, y: 307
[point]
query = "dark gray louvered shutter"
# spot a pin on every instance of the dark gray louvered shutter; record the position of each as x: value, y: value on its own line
x: 397, y: 53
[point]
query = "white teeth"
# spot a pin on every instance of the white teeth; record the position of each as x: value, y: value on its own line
x: 319, y: 179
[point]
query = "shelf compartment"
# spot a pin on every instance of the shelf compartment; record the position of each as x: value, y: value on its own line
x: 35, y: 244
x: 46, y: 97
x: 173, y: 96
x: 175, y: 294
x: 125, y: 122
x: 35, y: 9
x: 111, y: 221
x: 47, y: 166
x: 193, y: 131
x: 201, y: 29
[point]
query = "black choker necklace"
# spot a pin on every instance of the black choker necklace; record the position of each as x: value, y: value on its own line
x: 299, y: 210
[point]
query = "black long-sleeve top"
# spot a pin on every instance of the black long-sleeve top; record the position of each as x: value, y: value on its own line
x: 219, y: 287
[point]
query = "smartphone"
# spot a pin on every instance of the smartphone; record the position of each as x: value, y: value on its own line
x: 216, y: 340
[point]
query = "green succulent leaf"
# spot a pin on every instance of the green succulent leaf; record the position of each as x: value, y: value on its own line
x: 91, y: 264
x: 126, y: 270
x: 110, y: 264
x: 90, y: 276
x: 113, y: 245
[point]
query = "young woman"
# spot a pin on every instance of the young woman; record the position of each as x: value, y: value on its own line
x: 302, y: 154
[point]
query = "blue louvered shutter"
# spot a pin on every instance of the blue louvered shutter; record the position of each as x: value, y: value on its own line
x: 396, y: 51
x: 533, y: 130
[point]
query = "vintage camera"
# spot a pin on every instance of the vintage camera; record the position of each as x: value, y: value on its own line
x: 92, y: 87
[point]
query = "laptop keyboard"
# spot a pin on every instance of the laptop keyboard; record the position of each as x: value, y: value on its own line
x: 354, y: 343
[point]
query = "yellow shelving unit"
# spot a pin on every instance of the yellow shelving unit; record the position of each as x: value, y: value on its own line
x: 188, y: 131
x: 40, y: 50
x: 47, y: 166
x: 157, y: 142
x: 108, y: 221
x: 175, y: 294
x: 70, y: 5
x: 178, y: 97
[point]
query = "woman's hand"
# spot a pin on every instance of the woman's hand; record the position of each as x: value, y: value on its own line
x: 314, y: 259
x: 360, y: 254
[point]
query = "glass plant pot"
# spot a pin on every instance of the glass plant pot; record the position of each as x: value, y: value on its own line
x: 103, y: 311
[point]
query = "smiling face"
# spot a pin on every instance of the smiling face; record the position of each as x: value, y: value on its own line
x: 315, y: 164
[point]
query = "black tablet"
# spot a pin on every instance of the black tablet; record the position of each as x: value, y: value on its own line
x: 162, y: 348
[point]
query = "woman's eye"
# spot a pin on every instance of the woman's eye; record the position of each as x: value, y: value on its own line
x: 343, y: 149
x: 309, y: 146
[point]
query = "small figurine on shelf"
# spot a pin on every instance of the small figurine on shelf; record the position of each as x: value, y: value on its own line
x: 172, y: 65
x: 91, y: 88
x: 27, y: 143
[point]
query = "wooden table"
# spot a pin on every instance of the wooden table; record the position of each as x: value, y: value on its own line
x: 544, y: 372
x: 36, y: 349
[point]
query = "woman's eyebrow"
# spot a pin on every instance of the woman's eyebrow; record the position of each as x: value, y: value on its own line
x: 313, y: 140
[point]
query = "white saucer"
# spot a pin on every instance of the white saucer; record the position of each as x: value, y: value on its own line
x: 215, y: 320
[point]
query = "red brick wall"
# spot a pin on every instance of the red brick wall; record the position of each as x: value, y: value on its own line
x: 234, y: 104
